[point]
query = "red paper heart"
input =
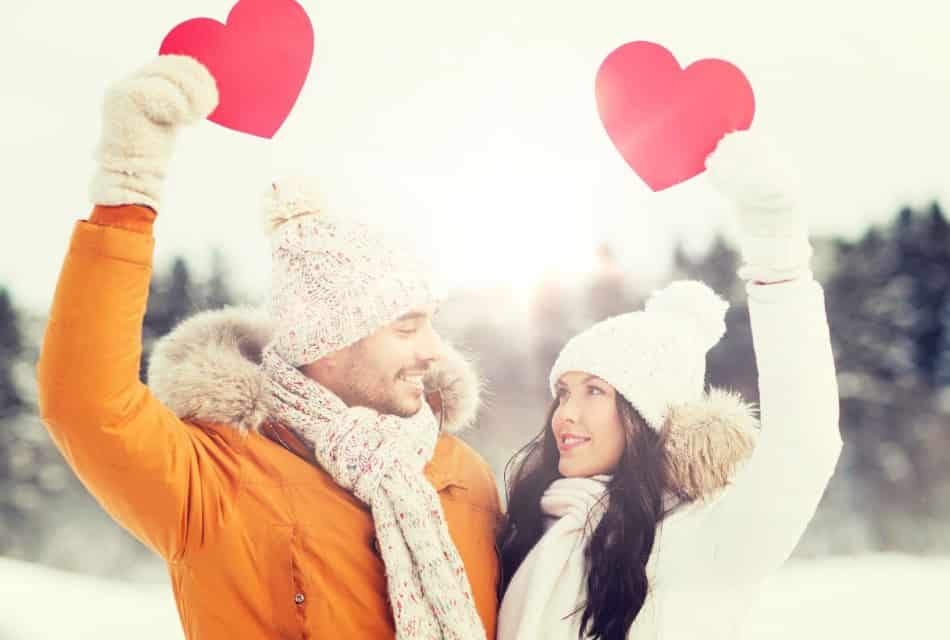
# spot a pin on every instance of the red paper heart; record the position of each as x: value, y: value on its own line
x: 260, y: 60
x: 665, y: 120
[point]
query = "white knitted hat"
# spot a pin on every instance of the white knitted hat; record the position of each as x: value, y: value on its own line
x: 655, y: 358
x: 335, y: 280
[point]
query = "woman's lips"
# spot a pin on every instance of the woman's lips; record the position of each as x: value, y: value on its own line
x: 568, y: 442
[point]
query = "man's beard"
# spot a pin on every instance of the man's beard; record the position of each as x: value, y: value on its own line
x: 366, y: 389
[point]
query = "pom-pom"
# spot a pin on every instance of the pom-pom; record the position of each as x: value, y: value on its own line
x: 288, y: 199
x: 696, y: 300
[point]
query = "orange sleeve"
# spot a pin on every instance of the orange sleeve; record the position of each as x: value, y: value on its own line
x: 129, y: 217
x: 159, y: 477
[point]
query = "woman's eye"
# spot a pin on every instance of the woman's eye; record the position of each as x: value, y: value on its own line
x: 561, y: 394
x: 596, y: 391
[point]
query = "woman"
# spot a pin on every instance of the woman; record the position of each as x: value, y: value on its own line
x: 648, y: 507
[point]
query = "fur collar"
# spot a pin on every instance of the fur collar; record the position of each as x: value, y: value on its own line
x: 707, y: 441
x: 207, y: 369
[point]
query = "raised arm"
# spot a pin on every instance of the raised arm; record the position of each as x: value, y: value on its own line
x: 755, y: 525
x: 148, y: 469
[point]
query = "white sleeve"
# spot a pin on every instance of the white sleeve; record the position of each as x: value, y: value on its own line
x: 758, y: 520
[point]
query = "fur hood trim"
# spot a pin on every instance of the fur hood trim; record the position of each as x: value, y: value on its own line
x: 208, y: 369
x: 708, y: 440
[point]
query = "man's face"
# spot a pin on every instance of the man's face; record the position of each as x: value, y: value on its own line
x: 384, y: 371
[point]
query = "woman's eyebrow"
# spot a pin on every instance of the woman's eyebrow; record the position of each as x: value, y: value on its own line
x: 559, y: 384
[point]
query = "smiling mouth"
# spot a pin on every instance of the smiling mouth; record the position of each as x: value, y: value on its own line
x: 414, y: 380
x: 569, y: 441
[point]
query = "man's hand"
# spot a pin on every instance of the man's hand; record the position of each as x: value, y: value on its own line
x: 140, y: 118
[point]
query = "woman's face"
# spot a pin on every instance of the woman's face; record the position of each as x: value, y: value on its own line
x: 587, y: 426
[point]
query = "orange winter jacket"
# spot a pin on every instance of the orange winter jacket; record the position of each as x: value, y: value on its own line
x: 259, y: 541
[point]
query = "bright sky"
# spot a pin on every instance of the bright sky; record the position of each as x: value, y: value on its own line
x: 476, y: 121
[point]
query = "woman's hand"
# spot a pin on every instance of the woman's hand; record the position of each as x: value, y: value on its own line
x: 773, y: 234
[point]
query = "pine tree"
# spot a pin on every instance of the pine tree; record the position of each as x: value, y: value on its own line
x: 887, y: 302
x: 929, y: 257
x: 942, y: 366
x: 175, y: 295
x: 11, y: 349
x: 171, y: 299
x: 21, y: 457
x: 217, y: 290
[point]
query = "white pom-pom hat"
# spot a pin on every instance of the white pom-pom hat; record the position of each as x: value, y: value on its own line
x: 335, y: 279
x: 656, y: 359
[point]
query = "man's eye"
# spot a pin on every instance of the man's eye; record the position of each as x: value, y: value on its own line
x: 596, y: 391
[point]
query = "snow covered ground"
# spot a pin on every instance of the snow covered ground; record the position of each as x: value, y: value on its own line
x: 867, y: 597
x: 41, y: 603
x: 873, y: 597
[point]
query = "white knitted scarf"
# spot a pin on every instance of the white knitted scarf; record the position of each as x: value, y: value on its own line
x: 546, y: 594
x: 380, y: 459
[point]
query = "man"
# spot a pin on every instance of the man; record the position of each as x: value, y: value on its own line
x: 287, y: 466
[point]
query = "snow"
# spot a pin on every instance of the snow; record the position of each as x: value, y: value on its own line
x: 39, y: 603
x: 868, y: 597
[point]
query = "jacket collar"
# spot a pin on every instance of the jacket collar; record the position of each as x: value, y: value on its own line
x: 207, y: 369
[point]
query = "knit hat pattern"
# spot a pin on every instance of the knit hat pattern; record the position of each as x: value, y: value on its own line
x: 335, y: 280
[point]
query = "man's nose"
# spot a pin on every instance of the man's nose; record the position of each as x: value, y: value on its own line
x: 430, y: 347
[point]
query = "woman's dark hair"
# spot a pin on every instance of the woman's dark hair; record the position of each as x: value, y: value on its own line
x: 623, y: 540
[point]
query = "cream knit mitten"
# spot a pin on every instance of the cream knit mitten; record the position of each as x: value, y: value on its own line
x: 140, y: 118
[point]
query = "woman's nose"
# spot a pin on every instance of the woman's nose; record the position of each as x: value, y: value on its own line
x: 568, y: 411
